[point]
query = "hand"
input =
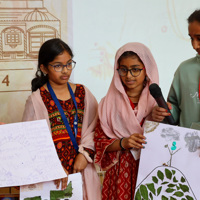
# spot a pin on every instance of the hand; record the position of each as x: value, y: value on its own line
x: 134, y: 141
x: 63, y: 180
x: 80, y: 163
x: 159, y: 113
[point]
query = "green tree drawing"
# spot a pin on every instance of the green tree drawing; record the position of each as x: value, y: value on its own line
x: 62, y: 194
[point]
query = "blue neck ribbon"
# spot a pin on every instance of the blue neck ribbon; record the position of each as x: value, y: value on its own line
x: 64, y: 118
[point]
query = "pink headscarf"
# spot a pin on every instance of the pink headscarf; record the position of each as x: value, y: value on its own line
x: 117, y: 117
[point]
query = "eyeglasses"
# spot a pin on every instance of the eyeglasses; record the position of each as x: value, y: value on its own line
x: 59, y: 67
x: 134, y: 71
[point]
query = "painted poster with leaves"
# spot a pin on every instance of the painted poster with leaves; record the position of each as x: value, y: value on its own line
x: 169, y: 164
x: 48, y: 190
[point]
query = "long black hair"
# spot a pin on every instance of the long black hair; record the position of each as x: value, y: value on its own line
x: 47, y: 53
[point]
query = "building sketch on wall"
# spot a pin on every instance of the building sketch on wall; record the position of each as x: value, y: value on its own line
x: 24, y: 26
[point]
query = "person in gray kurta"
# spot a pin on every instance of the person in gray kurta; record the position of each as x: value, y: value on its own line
x: 184, y: 93
x: 183, y: 97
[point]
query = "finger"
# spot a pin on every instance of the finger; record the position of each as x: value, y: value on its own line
x: 137, y: 140
x: 78, y: 170
x: 57, y: 183
x: 141, y: 141
x: 75, y: 170
x: 158, y: 118
x: 160, y: 109
x: 138, y: 135
x: 138, y: 145
x: 161, y: 113
x: 166, y: 114
x: 169, y: 105
x: 135, y: 144
x: 64, y: 183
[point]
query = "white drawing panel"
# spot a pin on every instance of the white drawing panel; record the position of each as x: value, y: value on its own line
x: 28, y: 154
x: 48, y: 190
x: 169, y: 164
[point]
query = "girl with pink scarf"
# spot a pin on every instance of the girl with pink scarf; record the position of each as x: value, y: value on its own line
x: 73, y: 131
x: 119, y: 132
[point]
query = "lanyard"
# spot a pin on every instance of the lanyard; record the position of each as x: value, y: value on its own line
x: 64, y: 118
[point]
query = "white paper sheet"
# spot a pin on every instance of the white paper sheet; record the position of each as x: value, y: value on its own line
x: 169, y: 164
x: 44, y: 190
x: 28, y: 154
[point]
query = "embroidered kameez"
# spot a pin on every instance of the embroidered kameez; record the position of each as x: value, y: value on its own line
x: 65, y: 149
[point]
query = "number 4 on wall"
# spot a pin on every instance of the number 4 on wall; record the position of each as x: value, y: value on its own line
x: 6, y: 80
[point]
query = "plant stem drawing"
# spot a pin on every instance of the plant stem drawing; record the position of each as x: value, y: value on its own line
x: 171, y: 152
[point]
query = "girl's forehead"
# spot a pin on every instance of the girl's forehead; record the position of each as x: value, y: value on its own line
x: 133, y: 58
x: 62, y: 57
x: 194, y: 26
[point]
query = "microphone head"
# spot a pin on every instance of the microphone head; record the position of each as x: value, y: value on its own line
x: 155, y: 90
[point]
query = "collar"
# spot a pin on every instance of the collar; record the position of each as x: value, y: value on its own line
x: 198, y: 58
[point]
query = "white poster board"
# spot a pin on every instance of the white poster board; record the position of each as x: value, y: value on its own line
x: 48, y: 191
x: 169, y: 164
x: 28, y: 154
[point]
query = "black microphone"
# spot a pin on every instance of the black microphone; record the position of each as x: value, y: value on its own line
x: 157, y: 95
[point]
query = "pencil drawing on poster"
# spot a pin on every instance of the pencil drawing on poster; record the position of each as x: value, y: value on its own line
x: 166, y: 181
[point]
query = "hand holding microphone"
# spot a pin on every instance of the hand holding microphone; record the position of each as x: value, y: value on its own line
x: 161, y: 112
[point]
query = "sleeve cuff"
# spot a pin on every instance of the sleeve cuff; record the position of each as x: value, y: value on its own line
x: 85, y: 153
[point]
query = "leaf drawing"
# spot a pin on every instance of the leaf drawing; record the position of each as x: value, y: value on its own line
x: 168, y: 173
x: 184, y: 188
x: 159, y: 190
x: 151, y: 187
x: 160, y: 175
x: 178, y: 194
x: 155, y: 180
x: 144, y: 192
